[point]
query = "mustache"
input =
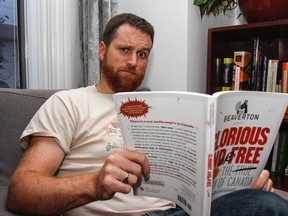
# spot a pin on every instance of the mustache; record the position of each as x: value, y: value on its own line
x: 127, y: 68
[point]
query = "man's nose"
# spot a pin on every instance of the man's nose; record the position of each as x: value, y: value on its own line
x: 132, y: 61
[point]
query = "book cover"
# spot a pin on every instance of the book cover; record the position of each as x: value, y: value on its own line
x: 199, y: 146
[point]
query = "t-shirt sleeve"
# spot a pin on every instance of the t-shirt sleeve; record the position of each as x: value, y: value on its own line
x: 55, y: 118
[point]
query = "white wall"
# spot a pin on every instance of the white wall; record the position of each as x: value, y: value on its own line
x: 178, y: 60
x: 168, y: 63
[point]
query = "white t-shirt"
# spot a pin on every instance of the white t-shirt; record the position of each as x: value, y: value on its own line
x: 84, y: 124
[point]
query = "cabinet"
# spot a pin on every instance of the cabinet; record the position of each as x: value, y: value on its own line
x: 223, y: 41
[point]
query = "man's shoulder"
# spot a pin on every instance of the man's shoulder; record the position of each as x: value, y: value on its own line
x: 77, y: 93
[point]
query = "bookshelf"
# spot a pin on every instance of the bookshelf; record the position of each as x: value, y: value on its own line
x: 280, y: 181
x: 223, y: 41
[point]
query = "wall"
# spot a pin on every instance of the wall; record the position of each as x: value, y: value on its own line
x: 178, y: 60
x: 168, y: 59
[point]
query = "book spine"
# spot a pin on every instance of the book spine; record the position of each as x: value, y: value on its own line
x: 279, y: 78
x: 227, y: 74
x: 274, y: 154
x: 272, y: 75
x: 285, y: 77
x: 241, y: 70
x: 236, y: 78
x: 269, y: 161
x: 286, y: 114
x: 281, y: 161
x: 218, y: 74
x: 253, y: 74
x: 264, y: 68
x: 210, y: 135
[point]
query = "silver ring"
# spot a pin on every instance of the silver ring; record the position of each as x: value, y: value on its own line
x: 125, y: 180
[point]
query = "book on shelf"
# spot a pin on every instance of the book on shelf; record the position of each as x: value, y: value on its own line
x: 254, y: 79
x: 199, y: 146
x: 278, y: 87
x: 218, y: 74
x: 274, y: 153
x: 263, y: 73
x: 268, y: 164
x: 281, y: 152
x: 227, y: 74
x: 284, y: 77
x: 272, y: 75
x: 286, y: 114
x: 282, y: 80
x: 241, y: 70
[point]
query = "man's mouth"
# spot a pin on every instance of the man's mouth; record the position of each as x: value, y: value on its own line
x: 128, y: 71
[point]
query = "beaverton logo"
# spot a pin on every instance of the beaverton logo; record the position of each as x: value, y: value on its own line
x: 241, y: 109
x: 134, y: 108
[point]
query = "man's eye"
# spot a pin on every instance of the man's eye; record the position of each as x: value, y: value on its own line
x: 125, y: 50
x: 142, y: 54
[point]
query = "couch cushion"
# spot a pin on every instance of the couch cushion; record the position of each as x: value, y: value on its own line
x: 3, y: 211
x: 17, y: 106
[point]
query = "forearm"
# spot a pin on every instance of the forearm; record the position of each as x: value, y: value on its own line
x: 42, y: 195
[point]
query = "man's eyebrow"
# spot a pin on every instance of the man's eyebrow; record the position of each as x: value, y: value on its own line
x: 146, y: 49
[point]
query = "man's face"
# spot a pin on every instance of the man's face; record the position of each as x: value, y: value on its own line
x: 125, y: 60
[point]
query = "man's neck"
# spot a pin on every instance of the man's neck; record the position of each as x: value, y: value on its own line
x: 104, y: 89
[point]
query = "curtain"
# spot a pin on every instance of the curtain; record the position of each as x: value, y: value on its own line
x: 94, y: 14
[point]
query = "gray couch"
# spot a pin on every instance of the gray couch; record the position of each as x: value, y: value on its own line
x: 17, y: 106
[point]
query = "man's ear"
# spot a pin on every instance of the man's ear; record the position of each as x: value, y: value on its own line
x: 101, y: 50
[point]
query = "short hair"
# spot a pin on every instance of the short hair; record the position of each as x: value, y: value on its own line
x: 126, y: 18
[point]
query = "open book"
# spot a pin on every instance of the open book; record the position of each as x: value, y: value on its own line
x: 199, y: 146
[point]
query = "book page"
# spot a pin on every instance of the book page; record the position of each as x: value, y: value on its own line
x: 175, y: 131
x: 247, y: 125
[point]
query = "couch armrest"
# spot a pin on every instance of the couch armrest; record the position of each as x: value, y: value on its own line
x: 17, y: 106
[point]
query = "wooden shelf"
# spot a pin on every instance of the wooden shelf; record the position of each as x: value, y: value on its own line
x: 223, y: 41
x: 280, y: 181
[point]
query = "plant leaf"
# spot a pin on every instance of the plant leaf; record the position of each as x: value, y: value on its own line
x: 200, y: 2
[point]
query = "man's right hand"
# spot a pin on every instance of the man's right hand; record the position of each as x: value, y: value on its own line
x: 110, y: 178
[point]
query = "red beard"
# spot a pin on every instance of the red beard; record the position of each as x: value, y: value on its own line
x: 121, y: 82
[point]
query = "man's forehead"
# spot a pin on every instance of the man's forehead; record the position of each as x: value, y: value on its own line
x: 132, y: 35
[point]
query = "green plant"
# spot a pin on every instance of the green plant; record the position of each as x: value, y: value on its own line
x: 215, y: 7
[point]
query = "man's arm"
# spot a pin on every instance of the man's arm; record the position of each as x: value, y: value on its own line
x: 34, y: 188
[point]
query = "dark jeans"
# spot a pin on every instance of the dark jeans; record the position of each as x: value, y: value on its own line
x: 240, y: 203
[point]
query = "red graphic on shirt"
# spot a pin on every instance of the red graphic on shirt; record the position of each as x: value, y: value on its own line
x: 134, y: 108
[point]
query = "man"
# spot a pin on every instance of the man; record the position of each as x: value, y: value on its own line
x: 72, y: 164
